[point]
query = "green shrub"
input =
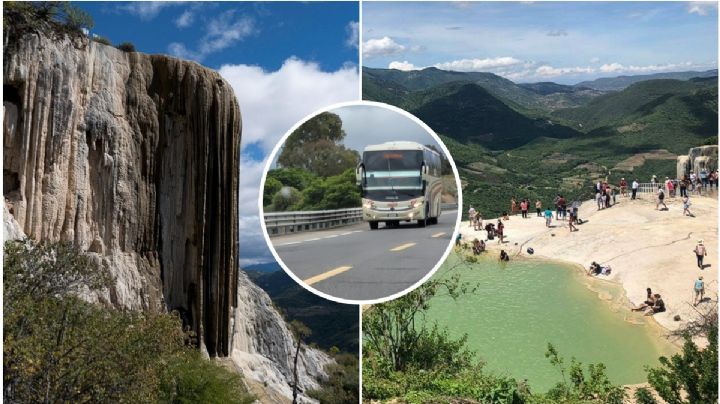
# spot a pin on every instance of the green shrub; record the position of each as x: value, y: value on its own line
x: 272, y: 186
x: 102, y: 40
x: 127, y: 47
x: 643, y: 396
x: 285, y: 198
x: 60, y: 348
x: 342, y: 385
x: 690, y: 376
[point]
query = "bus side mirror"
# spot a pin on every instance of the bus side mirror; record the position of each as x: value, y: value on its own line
x: 359, y: 174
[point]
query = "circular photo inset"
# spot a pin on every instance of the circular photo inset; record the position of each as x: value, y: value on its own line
x: 360, y: 202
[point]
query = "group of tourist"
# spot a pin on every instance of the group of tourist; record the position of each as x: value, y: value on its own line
x: 653, y: 304
x: 597, y: 269
x: 605, y: 195
x: 475, y: 219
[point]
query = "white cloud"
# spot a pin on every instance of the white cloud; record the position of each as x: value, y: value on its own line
x: 701, y: 7
x: 220, y: 33
x: 620, y: 68
x: 595, y: 59
x: 404, y: 66
x: 145, y: 10
x: 185, y: 19
x: 550, y: 71
x: 270, y: 103
x: 477, y: 65
x: 384, y: 46
x: 352, y: 34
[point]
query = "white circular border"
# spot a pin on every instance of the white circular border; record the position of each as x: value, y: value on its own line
x: 329, y: 108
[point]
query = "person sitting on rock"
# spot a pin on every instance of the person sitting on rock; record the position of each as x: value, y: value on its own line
x: 504, y: 256
x: 478, y: 246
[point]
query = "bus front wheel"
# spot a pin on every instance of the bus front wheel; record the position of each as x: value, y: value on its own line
x: 424, y: 221
x: 373, y: 225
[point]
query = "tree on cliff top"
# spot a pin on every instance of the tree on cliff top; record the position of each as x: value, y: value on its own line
x: 315, y: 147
x: 58, y: 15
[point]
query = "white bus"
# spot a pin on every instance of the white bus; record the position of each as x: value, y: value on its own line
x: 400, y: 181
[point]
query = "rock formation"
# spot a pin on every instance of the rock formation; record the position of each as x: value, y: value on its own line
x: 135, y: 159
x: 698, y: 159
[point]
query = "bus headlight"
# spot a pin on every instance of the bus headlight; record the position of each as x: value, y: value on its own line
x: 415, y: 203
x: 369, y: 205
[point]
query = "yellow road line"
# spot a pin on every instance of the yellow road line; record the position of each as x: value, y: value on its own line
x: 325, y: 275
x: 438, y: 234
x: 402, y: 247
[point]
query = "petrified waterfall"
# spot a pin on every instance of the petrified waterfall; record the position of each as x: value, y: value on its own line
x: 134, y: 158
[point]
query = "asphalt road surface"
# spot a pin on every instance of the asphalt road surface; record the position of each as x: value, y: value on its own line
x: 356, y: 263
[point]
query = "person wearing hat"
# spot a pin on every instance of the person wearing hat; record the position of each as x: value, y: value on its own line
x: 699, y: 291
x: 700, y: 253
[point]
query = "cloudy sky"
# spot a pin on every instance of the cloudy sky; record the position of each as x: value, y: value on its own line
x: 365, y: 125
x: 565, y: 42
x: 284, y: 61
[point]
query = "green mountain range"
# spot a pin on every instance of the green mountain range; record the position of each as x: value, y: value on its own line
x: 538, y: 139
x: 622, y: 82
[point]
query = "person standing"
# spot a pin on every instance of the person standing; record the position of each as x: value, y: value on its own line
x: 686, y: 206
x: 538, y: 207
x: 623, y: 187
x: 471, y: 216
x: 699, y: 291
x: 563, y: 206
x: 500, y: 231
x: 703, y: 178
x: 660, y: 198
x: 700, y: 253
x: 670, y: 187
x: 513, y: 206
x: 635, y: 186
x: 556, y: 201
x: 683, y: 186
x: 524, y: 208
x: 548, y: 217
x: 478, y: 221
x: 571, y: 222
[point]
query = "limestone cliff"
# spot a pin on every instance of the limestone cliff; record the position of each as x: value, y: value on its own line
x: 135, y: 158
x: 698, y: 159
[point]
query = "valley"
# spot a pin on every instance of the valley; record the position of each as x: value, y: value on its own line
x: 535, y: 140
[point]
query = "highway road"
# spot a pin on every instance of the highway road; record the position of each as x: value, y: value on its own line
x: 356, y: 263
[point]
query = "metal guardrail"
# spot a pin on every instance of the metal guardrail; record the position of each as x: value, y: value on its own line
x: 279, y: 223
x: 650, y: 188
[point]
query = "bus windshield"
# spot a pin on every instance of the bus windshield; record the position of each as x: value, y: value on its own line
x: 393, y: 174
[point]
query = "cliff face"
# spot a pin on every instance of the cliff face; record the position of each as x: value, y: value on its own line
x: 698, y: 159
x: 135, y: 158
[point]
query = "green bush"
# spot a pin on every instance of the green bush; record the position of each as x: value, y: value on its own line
x: 342, y: 385
x: 643, y: 396
x: 690, y: 376
x: 102, y: 40
x: 60, y: 348
x: 127, y: 47
x: 46, y: 15
x: 285, y: 198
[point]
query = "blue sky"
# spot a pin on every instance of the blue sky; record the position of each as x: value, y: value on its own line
x: 263, y: 34
x: 565, y: 42
x: 284, y: 61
